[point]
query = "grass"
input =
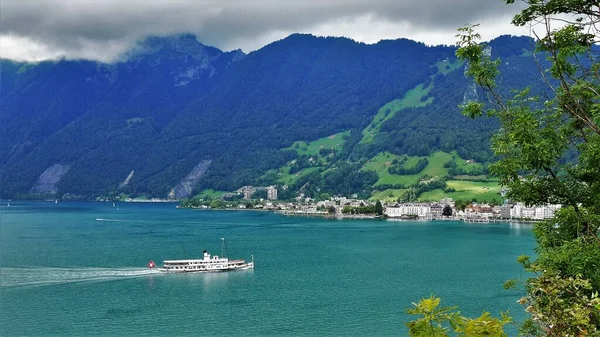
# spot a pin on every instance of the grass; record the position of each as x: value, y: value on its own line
x: 382, y: 161
x: 436, y: 168
x: 413, y: 98
x: 462, y: 163
x: 471, y: 178
x: 286, y: 178
x: 380, y: 164
x: 466, y: 190
x: 210, y: 193
x: 335, y: 142
x: 476, y: 186
x: 445, y: 67
x: 388, y: 195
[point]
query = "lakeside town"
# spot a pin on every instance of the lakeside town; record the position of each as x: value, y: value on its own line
x: 344, y: 207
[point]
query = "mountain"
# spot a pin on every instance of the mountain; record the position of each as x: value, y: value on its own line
x: 175, y: 116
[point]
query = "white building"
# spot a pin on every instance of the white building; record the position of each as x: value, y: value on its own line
x: 528, y: 212
x: 519, y: 210
x: 407, y: 209
x: 248, y: 191
x: 271, y: 193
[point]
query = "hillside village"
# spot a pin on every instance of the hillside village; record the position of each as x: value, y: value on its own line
x: 343, y: 207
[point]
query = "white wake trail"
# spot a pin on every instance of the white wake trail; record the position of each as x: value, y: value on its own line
x: 22, y: 277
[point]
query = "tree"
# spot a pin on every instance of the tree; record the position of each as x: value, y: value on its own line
x: 549, y: 152
x: 447, y: 211
x: 461, y: 204
x: 324, y: 196
x: 437, y: 322
x: 378, y: 208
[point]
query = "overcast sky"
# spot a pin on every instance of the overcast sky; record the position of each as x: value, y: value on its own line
x: 102, y: 29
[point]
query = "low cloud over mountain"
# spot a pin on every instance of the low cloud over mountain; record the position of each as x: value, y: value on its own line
x: 101, y: 30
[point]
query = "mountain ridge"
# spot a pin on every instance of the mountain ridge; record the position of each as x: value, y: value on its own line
x: 162, y: 112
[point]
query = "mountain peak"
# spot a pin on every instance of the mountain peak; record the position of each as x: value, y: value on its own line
x: 509, y: 45
x: 184, y: 43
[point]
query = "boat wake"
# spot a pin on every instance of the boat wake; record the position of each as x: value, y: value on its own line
x: 115, y: 220
x: 26, y: 277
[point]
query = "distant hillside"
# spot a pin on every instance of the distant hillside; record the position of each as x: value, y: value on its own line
x: 175, y: 117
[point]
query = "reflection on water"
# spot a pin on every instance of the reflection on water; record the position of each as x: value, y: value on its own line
x: 211, y: 279
x: 516, y: 228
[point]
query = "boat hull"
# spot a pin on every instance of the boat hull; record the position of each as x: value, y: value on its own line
x: 246, y: 266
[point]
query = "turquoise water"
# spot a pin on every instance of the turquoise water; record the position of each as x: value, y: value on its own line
x: 79, y: 268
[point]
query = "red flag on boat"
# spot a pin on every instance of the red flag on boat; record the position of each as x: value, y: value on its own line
x: 151, y: 264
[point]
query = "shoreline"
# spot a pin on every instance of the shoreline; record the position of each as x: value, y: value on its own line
x: 317, y: 214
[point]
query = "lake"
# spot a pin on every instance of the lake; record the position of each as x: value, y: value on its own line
x: 76, y: 268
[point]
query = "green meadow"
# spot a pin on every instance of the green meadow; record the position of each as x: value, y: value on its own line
x: 413, y: 98
x: 334, y: 142
x: 383, y: 161
x: 466, y: 190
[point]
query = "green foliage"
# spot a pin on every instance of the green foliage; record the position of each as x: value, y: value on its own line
x: 343, y: 178
x: 106, y: 120
x: 367, y: 210
x: 560, y: 305
x: 462, y: 168
x: 548, y: 151
x: 260, y: 194
x: 484, y: 191
x: 415, y: 97
x: 239, y: 111
x: 413, y: 193
x: 378, y: 208
x: 461, y: 204
x: 445, y: 67
x: 383, y: 161
x: 333, y: 143
x: 388, y: 195
x: 403, y: 170
x: 210, y: 193
x: 445, y: 322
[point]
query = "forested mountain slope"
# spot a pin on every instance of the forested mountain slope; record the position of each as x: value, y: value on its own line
x: 173, y: 104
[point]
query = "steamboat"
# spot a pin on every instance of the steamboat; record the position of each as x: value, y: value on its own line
x: 208, y: 263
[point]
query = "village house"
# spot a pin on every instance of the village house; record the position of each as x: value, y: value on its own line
x: 479, y: 211
x: 435, y: 210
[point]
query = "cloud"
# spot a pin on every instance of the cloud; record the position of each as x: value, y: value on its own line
x: 103, y: 29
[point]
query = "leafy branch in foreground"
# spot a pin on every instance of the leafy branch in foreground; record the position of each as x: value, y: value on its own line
x: 559, y: 305
x: 549, y: 152
x: 440, y: 322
